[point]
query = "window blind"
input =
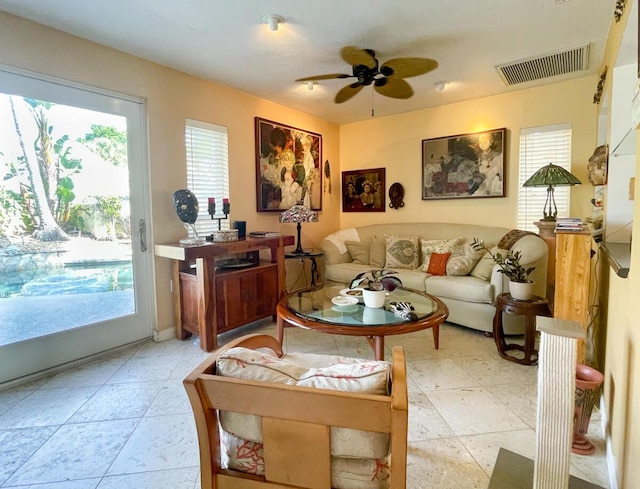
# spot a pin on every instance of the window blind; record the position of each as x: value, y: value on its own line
x: 540, y: 146
x: 207, y: 170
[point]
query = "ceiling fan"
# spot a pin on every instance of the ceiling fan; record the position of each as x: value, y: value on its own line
x: 387, y: 79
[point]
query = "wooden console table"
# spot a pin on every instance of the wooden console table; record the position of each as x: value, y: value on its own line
x: 209, y: 301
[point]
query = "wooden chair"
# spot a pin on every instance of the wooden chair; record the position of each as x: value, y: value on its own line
x: 296, y: 423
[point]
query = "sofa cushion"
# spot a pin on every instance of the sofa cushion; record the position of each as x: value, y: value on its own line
x: 469, y: 289
x: 377, y: 252
x: 484, y: 267
x: 428, y: 247
x: 401, y: 252
x: 463, y: 260
x: 359, y: 251
x: 438, y: 263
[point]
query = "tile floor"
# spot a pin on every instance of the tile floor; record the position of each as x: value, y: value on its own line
x: 125, y: 422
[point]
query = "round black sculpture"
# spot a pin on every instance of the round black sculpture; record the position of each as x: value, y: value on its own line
x: 186, y: 205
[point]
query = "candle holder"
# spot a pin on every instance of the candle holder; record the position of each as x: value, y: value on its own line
x: 211, y: 209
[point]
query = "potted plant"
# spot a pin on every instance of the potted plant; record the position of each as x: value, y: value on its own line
x: 378, y: 282
x: 520, y: 286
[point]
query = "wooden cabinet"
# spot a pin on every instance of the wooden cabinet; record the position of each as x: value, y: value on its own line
x: 246, y: 296
x: 573, y: 274
x: 208, y: 301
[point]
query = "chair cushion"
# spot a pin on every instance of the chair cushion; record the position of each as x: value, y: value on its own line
x: 346, y: 473
x: 309, y: 370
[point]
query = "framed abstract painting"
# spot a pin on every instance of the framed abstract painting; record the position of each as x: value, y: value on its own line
x: 464, y: 166
x: 288, y: 167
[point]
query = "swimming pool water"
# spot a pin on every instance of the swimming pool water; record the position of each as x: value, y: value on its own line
x: 67, y: 280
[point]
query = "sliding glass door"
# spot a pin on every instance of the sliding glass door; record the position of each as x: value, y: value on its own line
x: 74, y: 267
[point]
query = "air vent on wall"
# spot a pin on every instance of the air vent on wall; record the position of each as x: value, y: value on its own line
x: 545, y: 66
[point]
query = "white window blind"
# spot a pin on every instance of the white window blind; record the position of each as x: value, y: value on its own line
x: 540, y: 146
x: 207, y: 170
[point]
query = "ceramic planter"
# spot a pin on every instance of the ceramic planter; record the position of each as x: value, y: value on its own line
x: 374, y: 298
x: 521, y: 291
x: 588, y: 383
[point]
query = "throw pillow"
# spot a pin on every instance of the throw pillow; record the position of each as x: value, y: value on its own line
x: 377, y: 252
x: 484, y: 267
x: 359, y: 251
x: 438, y: 263
x: 401, y: 252
x: 437, y: 246
x: 463, y: 260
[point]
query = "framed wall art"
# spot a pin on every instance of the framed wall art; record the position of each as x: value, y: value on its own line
x: 363, y: 190
x: 464, y: 166
x: 288, y: 167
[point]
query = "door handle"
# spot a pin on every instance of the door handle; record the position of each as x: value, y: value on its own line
x: 142, y: 226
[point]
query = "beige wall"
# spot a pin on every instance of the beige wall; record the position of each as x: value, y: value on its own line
x: 622, y: 308
x: 171, y: 97
x: 395, y: 143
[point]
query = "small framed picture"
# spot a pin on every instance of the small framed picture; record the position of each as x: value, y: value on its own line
x: 363, y: 190
x: 464, y: 166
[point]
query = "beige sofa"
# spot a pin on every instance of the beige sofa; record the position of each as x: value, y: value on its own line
x: 470, y: 297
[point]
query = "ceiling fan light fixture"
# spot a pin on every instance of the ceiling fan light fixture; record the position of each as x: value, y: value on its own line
x: 272, y: 21
x: 311, y: 84
x: 441, y: 85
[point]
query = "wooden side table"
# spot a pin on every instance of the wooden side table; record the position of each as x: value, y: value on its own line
x: 311, y: 256
x: 505, y: 304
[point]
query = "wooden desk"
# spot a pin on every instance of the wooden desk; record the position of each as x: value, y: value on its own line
x: 209, y: 301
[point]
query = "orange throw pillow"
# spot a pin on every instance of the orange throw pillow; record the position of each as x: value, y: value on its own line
x: 438, y: 263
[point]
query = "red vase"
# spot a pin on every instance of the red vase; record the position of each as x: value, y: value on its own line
x: 588, y: 384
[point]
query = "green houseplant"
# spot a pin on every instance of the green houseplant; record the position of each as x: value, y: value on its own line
x: 378, y: 282
x: 377, y: 279
x: 511, y: 267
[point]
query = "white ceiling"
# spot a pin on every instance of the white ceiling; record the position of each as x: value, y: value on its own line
x: 225, y: 41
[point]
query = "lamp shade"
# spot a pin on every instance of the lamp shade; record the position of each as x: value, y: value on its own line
x: 299, y: 213
x: 551, y: 175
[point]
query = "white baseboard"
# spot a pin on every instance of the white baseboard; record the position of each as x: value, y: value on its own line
x: 164, y: 335
x: 611, y: 461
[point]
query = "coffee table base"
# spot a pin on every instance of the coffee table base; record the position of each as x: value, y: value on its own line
x: 375, y: 342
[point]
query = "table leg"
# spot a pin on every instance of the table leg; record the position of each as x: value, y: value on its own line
x: 314, y: 271
x: 498, y: 332
x: 377, y: 345
x: 280, y: 329
x: 530, y: 341
x: 436, y: 336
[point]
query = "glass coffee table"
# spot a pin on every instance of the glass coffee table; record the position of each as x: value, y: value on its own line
x: 313, y: 309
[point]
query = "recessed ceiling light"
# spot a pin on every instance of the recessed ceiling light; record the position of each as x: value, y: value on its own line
x: 272, y: 21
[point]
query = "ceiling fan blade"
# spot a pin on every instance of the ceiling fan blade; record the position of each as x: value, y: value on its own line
x: 408, y: 67
x: 324, y: 77
x: 356, y: 56
x: 347, y: 92
x: 394, y: 88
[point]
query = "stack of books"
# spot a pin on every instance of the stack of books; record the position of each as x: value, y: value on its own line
x: 263, y: 234
x: 569, y: 224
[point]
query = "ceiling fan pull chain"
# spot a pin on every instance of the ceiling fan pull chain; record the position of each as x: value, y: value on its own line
x: 373, y: 112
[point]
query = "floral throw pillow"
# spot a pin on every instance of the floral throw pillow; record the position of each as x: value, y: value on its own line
x: 428, y: 247
x: 402, y: 252
x: 463, y: 260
